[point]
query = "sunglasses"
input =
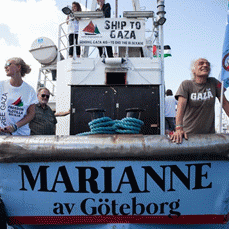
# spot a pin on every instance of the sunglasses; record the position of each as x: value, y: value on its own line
x: 43, y: 96
x: 7, y: 64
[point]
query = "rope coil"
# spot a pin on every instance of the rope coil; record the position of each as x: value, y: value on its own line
x: 106, y: 125
x: 129, y: 126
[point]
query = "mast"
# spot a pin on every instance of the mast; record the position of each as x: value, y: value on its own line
x: 116, y: 8
x: 160, y: 21
x: 116, y: 16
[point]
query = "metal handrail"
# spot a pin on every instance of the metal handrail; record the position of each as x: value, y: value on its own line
x: 60, y: 36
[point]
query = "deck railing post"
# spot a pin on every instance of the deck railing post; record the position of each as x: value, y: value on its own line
x: 59, y: 37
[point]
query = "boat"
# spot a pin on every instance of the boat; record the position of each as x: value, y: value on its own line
x: 110, y: 164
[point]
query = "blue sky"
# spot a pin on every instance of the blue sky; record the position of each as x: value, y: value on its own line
x: 193, y: 29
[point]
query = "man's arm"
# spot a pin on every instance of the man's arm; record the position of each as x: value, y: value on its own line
x: 179, y: 133
x: 62, y: 113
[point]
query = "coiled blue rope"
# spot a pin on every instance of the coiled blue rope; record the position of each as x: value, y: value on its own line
x: 129, y: 126
x: 103, y: 125
x: 106, y: 125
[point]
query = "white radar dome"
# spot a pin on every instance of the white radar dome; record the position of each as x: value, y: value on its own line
x: 44, y: 50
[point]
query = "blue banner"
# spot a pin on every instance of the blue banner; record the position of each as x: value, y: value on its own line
x: 225, y: 57
x: 100, y: 192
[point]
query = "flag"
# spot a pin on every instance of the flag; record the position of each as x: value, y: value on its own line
x: 167, y: 51
x: 225, y: 56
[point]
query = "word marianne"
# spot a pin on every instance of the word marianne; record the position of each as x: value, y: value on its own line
x: 85, y: 179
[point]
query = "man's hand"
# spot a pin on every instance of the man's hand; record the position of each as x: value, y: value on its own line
x: 177, y: 136
x: 8, y: 129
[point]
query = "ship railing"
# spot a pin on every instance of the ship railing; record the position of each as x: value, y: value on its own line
x: 44, y: 79
x: 64, y: 46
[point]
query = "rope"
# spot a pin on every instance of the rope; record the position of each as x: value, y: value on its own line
x: 102, y: 125
x: 106, y: 125
x: 129, y: 126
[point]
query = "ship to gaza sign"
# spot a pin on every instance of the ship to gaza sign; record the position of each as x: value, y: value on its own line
x: 112, y: 32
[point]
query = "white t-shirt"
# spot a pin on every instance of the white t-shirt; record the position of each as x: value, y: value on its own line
x: 170, y: 106
x: 73, y: 26
x: 14, y: 102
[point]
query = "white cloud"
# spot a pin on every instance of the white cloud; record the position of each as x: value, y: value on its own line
x: 23, y: 22
x: 10, y: 38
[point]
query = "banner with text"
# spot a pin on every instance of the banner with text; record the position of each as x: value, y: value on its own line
x: 87, y: 192
x: 112, y: 32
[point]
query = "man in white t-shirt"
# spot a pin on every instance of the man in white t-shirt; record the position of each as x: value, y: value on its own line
x: 170, y: 111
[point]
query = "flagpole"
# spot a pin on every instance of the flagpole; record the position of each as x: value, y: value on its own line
x: 224, y: 75
x: 221, y: 106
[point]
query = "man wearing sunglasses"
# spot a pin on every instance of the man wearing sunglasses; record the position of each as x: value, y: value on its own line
x: 44, y: 122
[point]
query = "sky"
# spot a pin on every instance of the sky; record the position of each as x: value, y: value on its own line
x: 193, y: 29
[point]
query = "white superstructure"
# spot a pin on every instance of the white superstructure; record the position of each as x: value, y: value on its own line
x: 134, y: 62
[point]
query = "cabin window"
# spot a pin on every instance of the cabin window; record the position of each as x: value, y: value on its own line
x: 116, y: 78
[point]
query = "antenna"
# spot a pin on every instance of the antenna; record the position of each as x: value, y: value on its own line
x: 116, y: 8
